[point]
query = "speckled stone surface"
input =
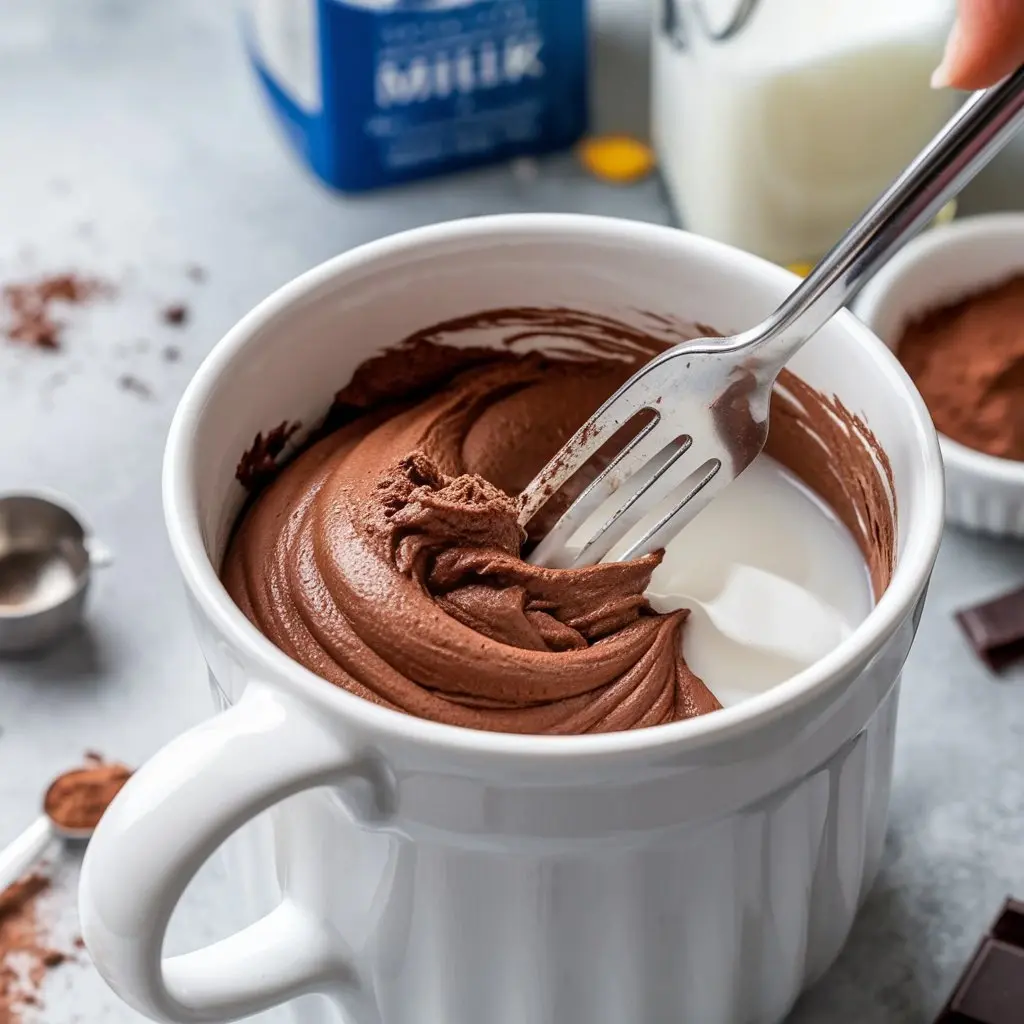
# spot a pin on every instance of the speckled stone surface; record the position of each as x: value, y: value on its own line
x: 132, y: 146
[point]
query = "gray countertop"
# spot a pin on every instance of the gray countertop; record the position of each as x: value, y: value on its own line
x: 132, y: 145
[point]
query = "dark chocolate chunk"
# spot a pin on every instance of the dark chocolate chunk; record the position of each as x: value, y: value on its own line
x: 995, y: 630
x: 1010, y: 925
x: 991, y: 989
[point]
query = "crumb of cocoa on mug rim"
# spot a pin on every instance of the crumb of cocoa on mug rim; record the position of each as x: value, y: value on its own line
x: 258, y: 464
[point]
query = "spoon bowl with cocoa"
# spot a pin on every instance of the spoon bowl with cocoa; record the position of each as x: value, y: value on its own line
x: 72, y: 807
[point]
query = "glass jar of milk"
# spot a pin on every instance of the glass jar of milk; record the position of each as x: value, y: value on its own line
x: 777, y: 121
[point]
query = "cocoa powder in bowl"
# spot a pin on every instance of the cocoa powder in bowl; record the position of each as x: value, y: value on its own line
x: 78, y: 799
x: 967, y: 360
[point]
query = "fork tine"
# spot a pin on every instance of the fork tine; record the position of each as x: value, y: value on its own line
x: 635, y: 455
x: 698, y: 491
x: 577, y: 451
x: 630, y: 510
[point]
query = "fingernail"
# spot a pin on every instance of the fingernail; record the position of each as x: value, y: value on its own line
x: 940, y: 76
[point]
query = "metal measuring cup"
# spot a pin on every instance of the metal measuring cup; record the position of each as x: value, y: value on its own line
x: 46, y: 563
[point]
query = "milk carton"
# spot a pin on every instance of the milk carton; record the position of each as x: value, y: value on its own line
x: 375, y: 92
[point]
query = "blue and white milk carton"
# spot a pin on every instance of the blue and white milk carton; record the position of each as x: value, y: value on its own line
x: 374, y: 92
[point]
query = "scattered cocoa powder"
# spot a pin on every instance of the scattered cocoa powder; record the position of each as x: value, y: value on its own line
x: 175, y: 314
x: 28, y: 306
x: 79, y: 798
x: 22, y: 952
x: 967, y: 360
x: 196, y: 273
x: 171, y: 353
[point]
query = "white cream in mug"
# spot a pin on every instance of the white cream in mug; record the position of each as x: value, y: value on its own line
x: 773, y: 578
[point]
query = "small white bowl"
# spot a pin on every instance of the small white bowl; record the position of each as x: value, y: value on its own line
x: 950, y: 262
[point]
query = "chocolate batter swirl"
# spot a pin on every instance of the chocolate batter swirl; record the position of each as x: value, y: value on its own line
x: 386, y: 557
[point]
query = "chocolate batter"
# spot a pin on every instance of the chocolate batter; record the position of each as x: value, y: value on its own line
x: 386, y: 556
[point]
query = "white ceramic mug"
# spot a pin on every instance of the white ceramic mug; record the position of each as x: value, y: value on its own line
x: 417, y: 873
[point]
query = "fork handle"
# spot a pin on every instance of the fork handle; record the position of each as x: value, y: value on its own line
x: 979, y: 129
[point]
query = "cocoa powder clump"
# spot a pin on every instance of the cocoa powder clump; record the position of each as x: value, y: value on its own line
x: 29, y: 306
x: 79, y: 798
x: 175, y: 315
x: 967, y: 360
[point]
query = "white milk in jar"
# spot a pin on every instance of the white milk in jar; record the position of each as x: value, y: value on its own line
x: 778, y: 121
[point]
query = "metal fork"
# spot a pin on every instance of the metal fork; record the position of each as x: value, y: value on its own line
x: 707, y: 400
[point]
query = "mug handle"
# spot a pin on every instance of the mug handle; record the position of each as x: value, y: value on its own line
x: 176, y: 811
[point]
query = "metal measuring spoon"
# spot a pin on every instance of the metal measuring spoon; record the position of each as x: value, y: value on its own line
x: 46, y: 561
x: 23, y: 852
